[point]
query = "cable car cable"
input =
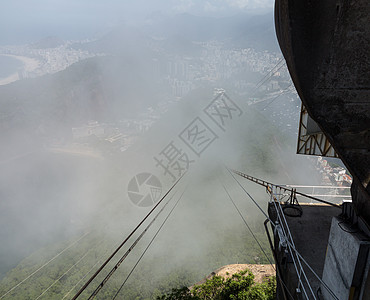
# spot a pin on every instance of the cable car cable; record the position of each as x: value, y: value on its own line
x: 159, y: 229
x: 125, y: 241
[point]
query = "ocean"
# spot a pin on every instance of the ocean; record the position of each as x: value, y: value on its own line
x: 9, y: 66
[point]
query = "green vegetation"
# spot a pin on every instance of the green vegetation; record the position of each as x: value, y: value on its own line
x: 204, y: 234
x: 160, y: 270
x: 240, y: 286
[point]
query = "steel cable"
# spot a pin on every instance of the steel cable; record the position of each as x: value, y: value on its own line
x: 115, y: 267
x: 125, y: 241
x: 44, y: 265
x: 146, y: 249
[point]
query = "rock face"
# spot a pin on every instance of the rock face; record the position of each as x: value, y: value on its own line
x: 326, y: 45
x: 260, y: 272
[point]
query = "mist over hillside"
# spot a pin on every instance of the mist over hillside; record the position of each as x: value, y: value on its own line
x: 129, y: 78
x: 25, y: 22
x: 238, y: 31
x: 242, y: 30
x: 96, y: 113
x: 203, y: 233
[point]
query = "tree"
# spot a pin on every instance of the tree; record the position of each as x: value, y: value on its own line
x: 240, y: 286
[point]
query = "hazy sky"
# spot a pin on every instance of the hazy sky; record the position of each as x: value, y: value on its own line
x: 28, y: 20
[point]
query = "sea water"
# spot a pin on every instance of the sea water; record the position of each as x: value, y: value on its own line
x: 9, y: 65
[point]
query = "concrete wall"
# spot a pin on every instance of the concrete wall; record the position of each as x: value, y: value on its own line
x: 326, y: 46
x: 346, y: 264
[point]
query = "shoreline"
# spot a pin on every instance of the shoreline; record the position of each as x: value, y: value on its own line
x: 29, y: 65
x: 75, y: 152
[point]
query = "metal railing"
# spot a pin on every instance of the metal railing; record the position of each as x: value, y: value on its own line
x: 282, y: 231
x: 286, y: 241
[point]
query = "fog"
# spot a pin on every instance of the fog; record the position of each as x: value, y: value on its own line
x: 114, y: 90
x: 23, y: 21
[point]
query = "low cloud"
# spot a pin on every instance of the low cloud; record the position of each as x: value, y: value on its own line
x: 250, y: 3
x: 210, y: 8
x: 183, y: 6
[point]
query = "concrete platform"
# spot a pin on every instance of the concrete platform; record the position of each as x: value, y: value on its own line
x: 310, y: 233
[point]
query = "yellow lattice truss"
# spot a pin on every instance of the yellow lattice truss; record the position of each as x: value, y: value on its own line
x: 312, y: 141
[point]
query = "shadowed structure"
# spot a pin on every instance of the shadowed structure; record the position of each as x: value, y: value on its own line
x: 326, y: 45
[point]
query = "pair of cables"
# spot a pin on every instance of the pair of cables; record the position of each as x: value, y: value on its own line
x: 45, y: 264
x: 115, y: 267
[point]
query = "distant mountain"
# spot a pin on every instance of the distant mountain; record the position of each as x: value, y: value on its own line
x: 180, y: 45
x: 100, y: 88
x: 48, y: 42
x: 119, y: 85
x: 120, y: 41
x: 180, y: 31
x: 241, y: 30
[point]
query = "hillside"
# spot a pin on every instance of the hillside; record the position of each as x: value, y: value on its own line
x: 101, y: 88
x: 76, y: 209
x: 260, y: 272
x: 96, y: 88
x: 178, y: 34
x: 203, y: 234
x: 240, y: 31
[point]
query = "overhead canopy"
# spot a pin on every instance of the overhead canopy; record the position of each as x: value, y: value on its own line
x: 326, y: 45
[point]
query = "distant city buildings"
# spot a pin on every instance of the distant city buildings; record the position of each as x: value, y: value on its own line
x: 333, y: 175
x: 236, y: 69
x: 51, y: 60
x: 217, y: 64
x: 92, y: 128
x: 118, y: 136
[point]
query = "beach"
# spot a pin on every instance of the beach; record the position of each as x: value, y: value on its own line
x: 30, y: 64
